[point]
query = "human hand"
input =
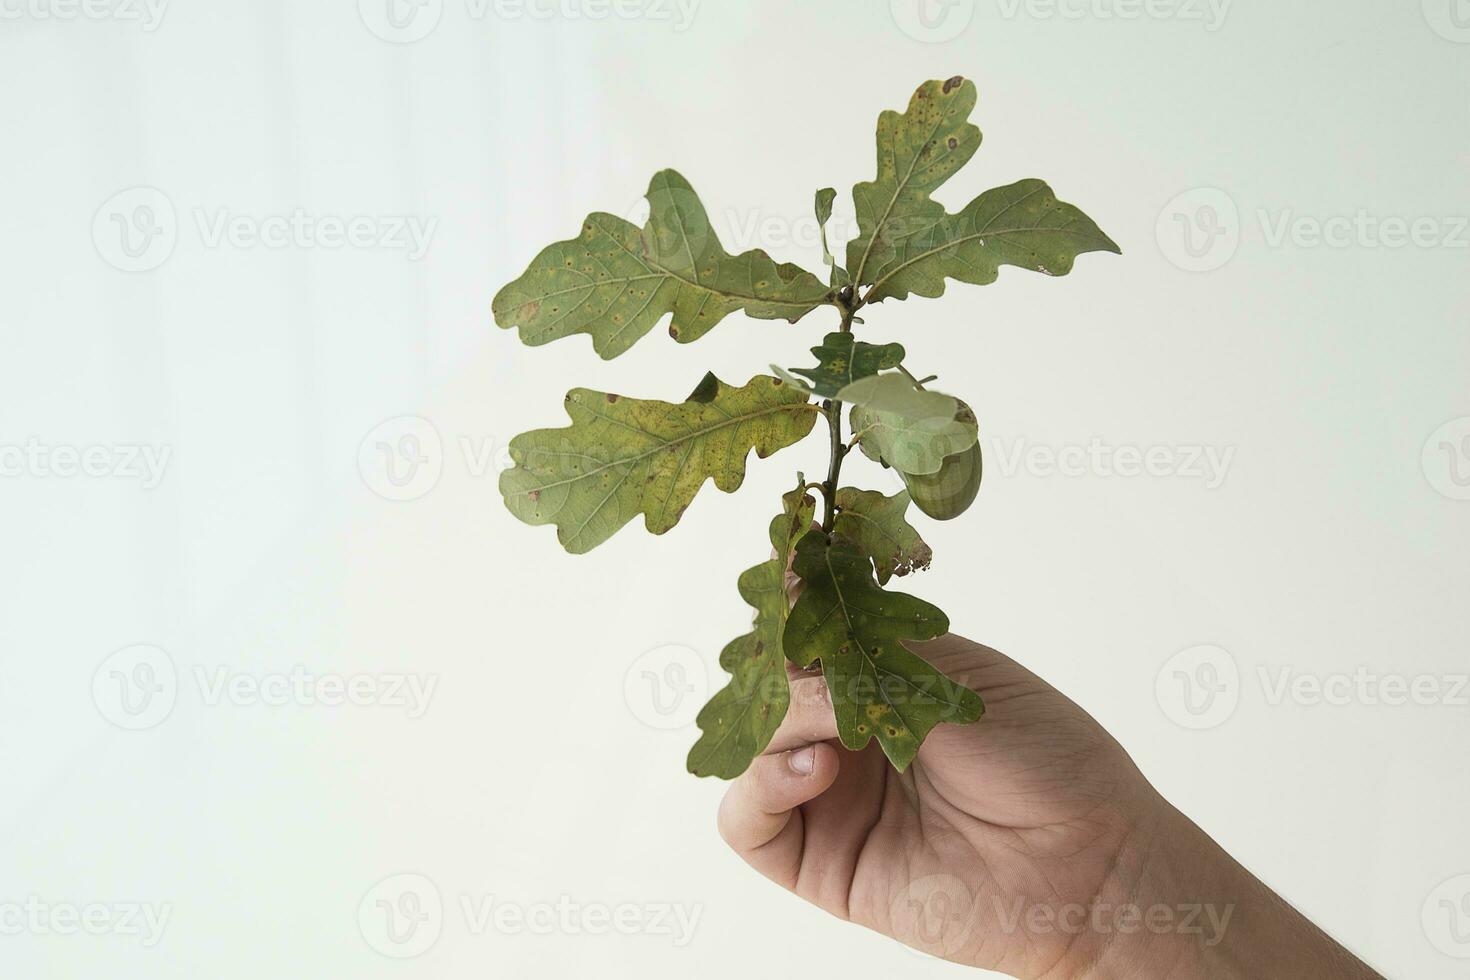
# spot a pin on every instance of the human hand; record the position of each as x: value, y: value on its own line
x: 1028, y: 843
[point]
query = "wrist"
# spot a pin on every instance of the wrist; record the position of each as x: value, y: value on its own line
x: 1155, y: 915
x: 1182, y: 899
x: 1184, y: 909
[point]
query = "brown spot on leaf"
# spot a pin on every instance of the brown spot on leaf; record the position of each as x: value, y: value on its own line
x: 534, y: 494
x: 611, y: 397
x: 953, y: 142
x: 953, y: 83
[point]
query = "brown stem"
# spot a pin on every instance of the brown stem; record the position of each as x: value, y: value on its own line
x: 849, y: 304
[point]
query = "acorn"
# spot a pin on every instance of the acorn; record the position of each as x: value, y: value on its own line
x: 948, y: 493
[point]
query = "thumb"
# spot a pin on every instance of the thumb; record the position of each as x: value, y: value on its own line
x: 759, y: 816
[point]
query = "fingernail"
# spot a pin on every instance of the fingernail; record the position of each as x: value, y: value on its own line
x: 803, y: 761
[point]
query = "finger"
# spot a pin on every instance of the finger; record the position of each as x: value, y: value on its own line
x: 759, y: 818
x: 809, y: 717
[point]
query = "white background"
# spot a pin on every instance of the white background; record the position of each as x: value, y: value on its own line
x: 542, y: 766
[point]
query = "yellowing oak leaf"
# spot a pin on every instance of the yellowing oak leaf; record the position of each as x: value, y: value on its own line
x: 616, y: 280
x: 738, y: 722
x: 622, y: 457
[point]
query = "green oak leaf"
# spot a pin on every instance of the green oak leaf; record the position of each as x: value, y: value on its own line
x: 855, y: 628
x: 841, y: 360
x: 823, y: 206
x: 738, y: 722
x: 624, y: 456
x: 907, y: 427
x: 1022, y: 225
x: 616, y: 280
x: 908, y: 243
x: 918, y: 150
x: 876, y: 525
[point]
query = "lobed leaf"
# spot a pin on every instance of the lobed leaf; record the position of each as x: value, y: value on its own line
x: 841, y: 360
x: 908, y: 243
x: 879, y: 688
x: 738, y: 722
x: 918, y: 150
x: 876, y: 525
x: 1021, y: 225
x: 614, y: 281
x: 622, y: 457
x: 907, y: 427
